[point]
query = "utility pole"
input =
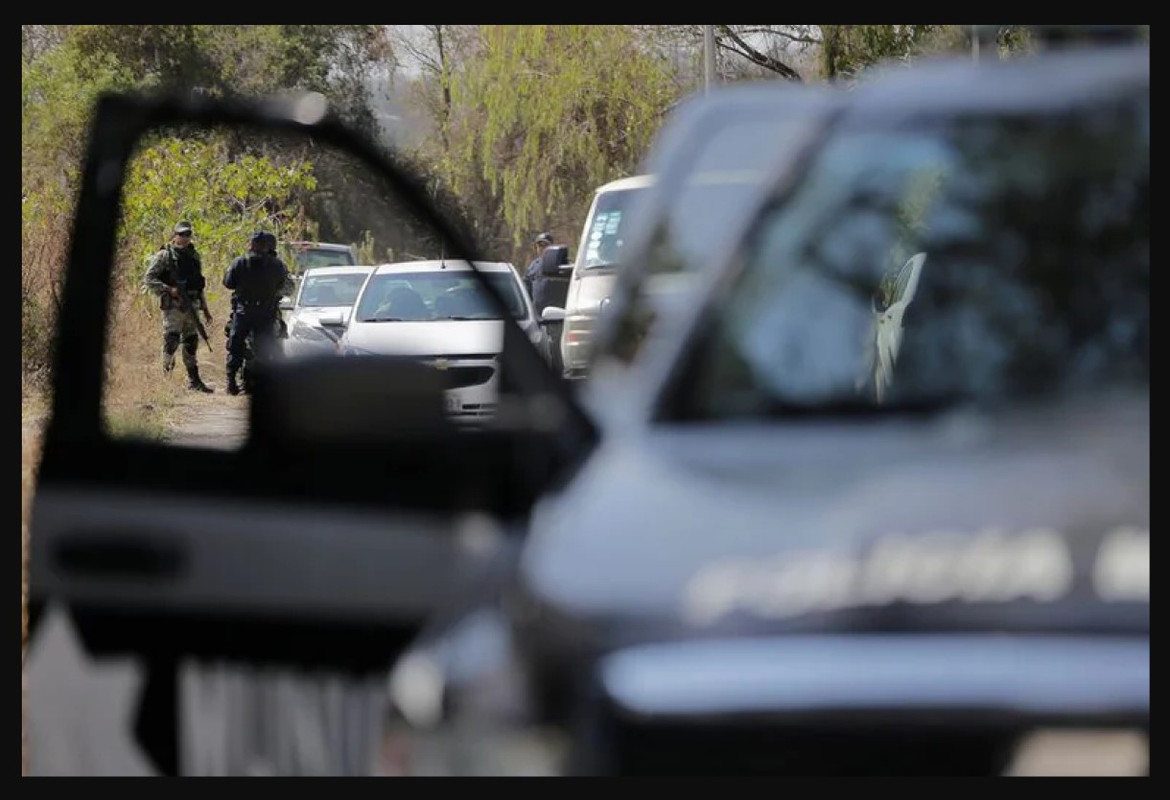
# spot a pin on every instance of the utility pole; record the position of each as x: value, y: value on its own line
x: 708, y: 56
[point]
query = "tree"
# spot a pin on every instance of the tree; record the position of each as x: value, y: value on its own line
x: 546, y: 113
x: 847, y: 50
x: 249, y: 59
x: 746, y: 52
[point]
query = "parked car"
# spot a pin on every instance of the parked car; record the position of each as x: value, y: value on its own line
x: 316, y: 315
x: 597, y: 258
x: 877, y: 502
x: 711, y: 161
x: 302, y: 255
x: 438, y: 311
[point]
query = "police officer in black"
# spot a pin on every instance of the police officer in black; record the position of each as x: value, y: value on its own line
x: 257, y: 281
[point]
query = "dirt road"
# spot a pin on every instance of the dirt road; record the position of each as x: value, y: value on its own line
x: 217, y: 420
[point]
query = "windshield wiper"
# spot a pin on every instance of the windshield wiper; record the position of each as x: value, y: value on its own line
x: 601, y: 265
x: 384, y: 319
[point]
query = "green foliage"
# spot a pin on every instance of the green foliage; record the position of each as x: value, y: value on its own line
x: 546, y: 113
x: 225, y: 197
x: 849, y: 49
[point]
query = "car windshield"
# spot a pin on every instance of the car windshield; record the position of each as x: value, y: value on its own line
x: 331, y: 290
x: 979, y: 260
x: 309, y: 257
x: 431, y: 296
x: 603, y: 240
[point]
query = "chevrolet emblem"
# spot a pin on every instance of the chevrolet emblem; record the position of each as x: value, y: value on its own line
x: 441, y: 363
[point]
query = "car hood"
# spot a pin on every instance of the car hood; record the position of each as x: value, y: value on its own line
x: 1039, y: 520
x: 453, y: 337
x: 313, y: 314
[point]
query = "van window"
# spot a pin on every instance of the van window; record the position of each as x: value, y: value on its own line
x: 603, y: 239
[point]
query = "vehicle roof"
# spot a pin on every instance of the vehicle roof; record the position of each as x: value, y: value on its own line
x: 319, y: 245
x: 348, y: 269
x: 632, y: 182
x: 1038, y: 83
x: 438, y: 265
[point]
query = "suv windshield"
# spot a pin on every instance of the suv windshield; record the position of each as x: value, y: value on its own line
x: 436, y: 296
x: 979, y: 259
x: 331, y: 290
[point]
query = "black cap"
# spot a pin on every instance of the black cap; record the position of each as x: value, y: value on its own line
x: 183, y: 227
x: 544, y: 238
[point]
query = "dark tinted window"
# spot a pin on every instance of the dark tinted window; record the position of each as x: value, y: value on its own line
x: 978, y: 259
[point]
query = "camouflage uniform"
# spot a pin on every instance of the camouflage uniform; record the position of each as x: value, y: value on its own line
x: 170, y: 267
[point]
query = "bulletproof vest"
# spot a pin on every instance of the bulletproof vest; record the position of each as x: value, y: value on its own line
x: 259, y: 280
x: 187, y: 271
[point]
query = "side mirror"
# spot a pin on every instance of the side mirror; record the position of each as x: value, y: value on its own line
x: 552, y: 259
x: 334, y: 320
x: 552, y: 314
x: 286, y: 304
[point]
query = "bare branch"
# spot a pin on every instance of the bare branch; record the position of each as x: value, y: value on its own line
x: 755, y: 56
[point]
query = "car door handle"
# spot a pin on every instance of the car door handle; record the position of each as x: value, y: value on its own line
x: 97, y: 554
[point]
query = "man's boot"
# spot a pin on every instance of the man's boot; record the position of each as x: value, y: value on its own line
x: 233, y: 388
x: 194, y: 382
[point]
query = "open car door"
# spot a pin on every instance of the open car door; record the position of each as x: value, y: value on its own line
x: 302, y: 533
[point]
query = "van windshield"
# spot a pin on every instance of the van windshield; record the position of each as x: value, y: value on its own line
x: 601, y: 248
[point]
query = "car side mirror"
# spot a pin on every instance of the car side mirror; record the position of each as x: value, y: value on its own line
x: 334, y: 320
x: 552, y: 259
x: 552, y: 314
x: 286, y: 304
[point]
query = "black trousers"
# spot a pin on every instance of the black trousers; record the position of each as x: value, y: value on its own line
x: 259, y: 323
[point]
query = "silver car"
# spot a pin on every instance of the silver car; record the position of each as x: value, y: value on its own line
x: 438, y: 311
x: 317, y: 313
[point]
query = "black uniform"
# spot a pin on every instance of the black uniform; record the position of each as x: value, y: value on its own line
x: 256, y: 281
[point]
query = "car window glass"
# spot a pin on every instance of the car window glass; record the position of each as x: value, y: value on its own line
x: 699, y: 206
x: 436, y: 295
x: 977, y: 260
x: 331, y: 290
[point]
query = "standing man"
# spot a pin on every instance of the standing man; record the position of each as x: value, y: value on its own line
x: 257, y: 280
x: 175, y: 274
x: 532, y: 277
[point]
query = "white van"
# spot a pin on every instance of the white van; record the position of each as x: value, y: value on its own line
x: 594, y: 270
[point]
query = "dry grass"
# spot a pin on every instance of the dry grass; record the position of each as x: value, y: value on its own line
x: 138, y: 399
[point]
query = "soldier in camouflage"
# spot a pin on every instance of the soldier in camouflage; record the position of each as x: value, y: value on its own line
x: 175, y: 274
